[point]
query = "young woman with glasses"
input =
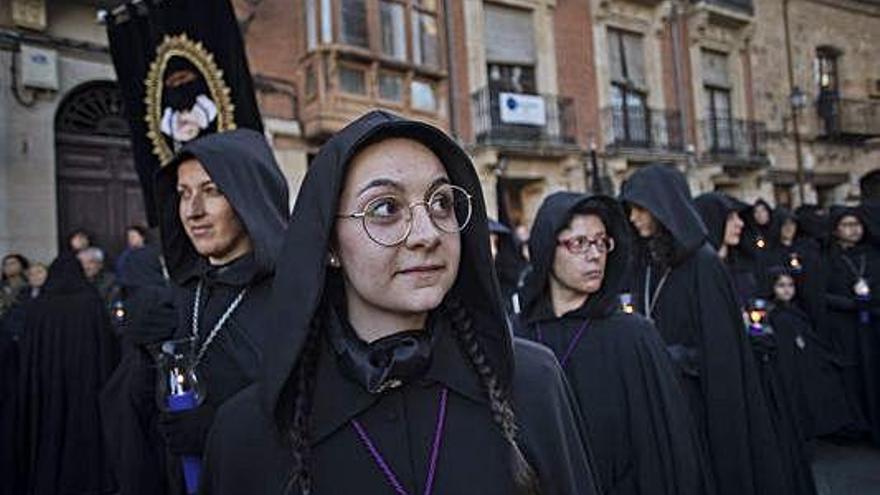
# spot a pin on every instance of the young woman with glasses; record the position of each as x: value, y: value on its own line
x: 393, y: 369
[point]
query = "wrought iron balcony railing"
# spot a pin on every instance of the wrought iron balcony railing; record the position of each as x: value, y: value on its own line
x: 843, y: 118
x: 510, y: 119
x: 642, y: 128
x: 743, y: 140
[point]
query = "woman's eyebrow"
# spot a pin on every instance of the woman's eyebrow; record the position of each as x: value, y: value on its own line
x: 380, y: 183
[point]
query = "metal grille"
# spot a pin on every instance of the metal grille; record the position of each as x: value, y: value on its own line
x: 95, y: 110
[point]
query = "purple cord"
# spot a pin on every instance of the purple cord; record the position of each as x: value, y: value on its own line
x: 571, y: 344
x: 435, y: 449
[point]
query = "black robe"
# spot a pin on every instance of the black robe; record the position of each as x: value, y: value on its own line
x: 247, y: 451
x: 637, y: 423
x: 243, y: 167
x: 746, y: 269
x: 857, y: 341
x: 810, y: 371
x: 8, y: 414
x: 697, y: 315
x: 68, y: 352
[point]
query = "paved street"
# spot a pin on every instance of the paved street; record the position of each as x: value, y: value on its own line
x: 847, y: 469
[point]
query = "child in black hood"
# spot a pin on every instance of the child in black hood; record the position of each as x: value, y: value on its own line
x: 392, y: 366
x: 635, y: 416
x: 678, y: 281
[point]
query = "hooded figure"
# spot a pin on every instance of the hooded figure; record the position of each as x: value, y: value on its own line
x: 635, y: 418
x: 68, y: 351
x: 720, y: 213
x: 808, y: 367
x: 223, y: 209
x: 813, y: 223
x: 678, y: 281
x: 758, y: 229
x: 454, y: 406
x: 722, y: 216
x: 852, y: 323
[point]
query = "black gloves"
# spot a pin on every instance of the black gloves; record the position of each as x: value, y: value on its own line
x: 185, y: 432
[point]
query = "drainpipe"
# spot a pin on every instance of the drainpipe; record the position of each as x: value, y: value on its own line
x: 675, y: 20
x: 451, y: 68
x: 794, y: 111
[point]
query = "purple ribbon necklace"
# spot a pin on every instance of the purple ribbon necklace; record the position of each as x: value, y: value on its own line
x: 435, y: 450
x: 539, y: 335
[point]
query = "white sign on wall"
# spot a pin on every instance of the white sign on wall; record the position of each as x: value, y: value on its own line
x: 39, y: 67
x: 518, y: 108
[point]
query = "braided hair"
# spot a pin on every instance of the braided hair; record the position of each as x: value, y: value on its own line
x: 524, y: 476
x: 294, y: 408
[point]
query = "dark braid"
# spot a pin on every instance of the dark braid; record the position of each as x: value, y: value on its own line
x: 502, y: 413
x: 294, y: 409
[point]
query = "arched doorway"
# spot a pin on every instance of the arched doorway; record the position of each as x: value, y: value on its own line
x: 97, y: 186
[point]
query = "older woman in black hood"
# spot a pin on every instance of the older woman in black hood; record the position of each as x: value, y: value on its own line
x: 678, y: 281
x: 393, y: 368
x: 636, y: 420
x: 853, y: 318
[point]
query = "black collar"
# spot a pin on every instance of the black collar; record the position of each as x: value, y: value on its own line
x: 238, y: 272
x: 338, y: 398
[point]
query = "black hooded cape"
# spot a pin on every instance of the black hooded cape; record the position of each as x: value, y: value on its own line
x: 697, y: 314
x: 68, y: 352
x: 242, y: 165
x: 635, y: 416
x: 743, y: 262
x: 246, y: 452
x: 855, y: 339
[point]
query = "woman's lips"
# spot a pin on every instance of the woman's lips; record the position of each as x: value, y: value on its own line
x: 421, y: 270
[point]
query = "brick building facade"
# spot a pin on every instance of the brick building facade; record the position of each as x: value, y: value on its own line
x: 533, y: 89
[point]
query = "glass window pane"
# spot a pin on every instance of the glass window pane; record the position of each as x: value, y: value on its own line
x: 615, y: 57
x: 390, y: 87
x: 423, y: 96
x: 352, y: 80
x: 425, y: 40
x: 635, y: 59
x: 326, y: 21
x: 393, y: 30
x: 427, y: 4
x: 311, y: 25
x: 354, y: 22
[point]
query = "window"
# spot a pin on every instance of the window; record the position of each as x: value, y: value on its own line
x: 353, y: 17
x: 311, y: 82
x: 311, y: 25
x: 629, y: 99
x: 352, y: 80
x: 326, y: 21
x: 826, y: 65
x: 423, y: 96
x: 717, y: 102
x: 426, y: 44
x: 512, y: 78
x: 828, y: 102
x: 391, y: 16
x: 390, y: 86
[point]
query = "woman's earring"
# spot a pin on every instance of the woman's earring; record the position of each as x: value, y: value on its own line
x: 333, y: 261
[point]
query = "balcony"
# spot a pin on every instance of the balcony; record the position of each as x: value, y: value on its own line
x: 842, y: 119
x: 734, y: 142
x: 640, y: 129
x: 726, y: 13
x: 513, y: 120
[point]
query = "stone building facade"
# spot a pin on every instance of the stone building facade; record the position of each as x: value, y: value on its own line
x: 536, y: 90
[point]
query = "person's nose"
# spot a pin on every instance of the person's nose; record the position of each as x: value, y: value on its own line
x: 423, y: 232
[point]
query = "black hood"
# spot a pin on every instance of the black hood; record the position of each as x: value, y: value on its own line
x: 241, y: 163
x: 302, y: 277
x: 66, y: 276
x: 663, y: 191
x: 554, y: 216
x: 811, y: 222
x: 836, y: 214
x: 714, y: 207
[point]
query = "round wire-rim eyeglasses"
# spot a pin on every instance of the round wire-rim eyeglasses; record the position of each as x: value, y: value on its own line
x: 446, y: 191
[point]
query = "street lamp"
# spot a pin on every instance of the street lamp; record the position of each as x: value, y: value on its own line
x: 798, y: 101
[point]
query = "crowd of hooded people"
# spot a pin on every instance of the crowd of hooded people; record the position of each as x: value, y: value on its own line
x: 386, y: 336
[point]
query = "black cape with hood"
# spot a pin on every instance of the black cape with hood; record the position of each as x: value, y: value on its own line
x: 246, y: 452
x: 637, y: 423
x: 754, y: 232
x: 68, y: 353
x: 697, y: 315
x: 810, y: 370
x: 242, y: 165
x: 856, y: 341
x: 715, y: 208
x: 743, y: 262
